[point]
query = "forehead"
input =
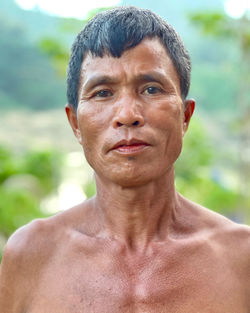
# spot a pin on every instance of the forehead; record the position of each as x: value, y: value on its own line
x: 150, y: 55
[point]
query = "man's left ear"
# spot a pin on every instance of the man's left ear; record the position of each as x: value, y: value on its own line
x: 189, y: 106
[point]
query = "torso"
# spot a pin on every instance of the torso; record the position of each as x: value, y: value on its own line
x: 98, y: 275
x: 69, y: 271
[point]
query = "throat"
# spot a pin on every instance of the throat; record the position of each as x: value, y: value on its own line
x: 136, y: 217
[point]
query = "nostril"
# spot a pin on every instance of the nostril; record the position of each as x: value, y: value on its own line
x: 135, y: 123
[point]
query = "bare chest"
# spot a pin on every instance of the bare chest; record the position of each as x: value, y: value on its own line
x: 104, y: 283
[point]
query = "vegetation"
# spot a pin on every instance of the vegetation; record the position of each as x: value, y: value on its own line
x: 27, y: 79
x: 220, y: 26
x: 198, y: 178
x: 24, y: 181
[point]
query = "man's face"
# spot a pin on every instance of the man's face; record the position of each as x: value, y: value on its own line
x: 130, y: 120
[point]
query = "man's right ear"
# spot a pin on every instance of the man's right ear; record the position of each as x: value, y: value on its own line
x: 72, y: 118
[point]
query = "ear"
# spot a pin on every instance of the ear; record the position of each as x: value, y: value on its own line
x: 73, y: 121
x: 189, y: 107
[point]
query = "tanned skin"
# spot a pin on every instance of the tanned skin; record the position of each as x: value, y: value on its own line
x: 138, y: 246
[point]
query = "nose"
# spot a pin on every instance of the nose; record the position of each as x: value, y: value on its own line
x: 128, y: 113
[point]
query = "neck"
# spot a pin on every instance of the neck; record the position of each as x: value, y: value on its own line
x: 137, y: 215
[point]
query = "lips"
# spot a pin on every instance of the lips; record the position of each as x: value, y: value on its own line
x: 128, y: 146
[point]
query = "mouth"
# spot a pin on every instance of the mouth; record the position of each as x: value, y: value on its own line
x: 130, y: 146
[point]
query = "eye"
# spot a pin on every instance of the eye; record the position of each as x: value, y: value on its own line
x: 152, y: 90
x: 103, y: 94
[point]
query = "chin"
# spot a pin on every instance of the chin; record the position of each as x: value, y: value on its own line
x: 132, y: 173
x: 132, y: 178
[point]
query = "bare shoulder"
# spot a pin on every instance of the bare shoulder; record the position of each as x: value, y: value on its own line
x: 227, y: 233
x: 18, y: 264
x: 27, y: 252
x: 231, y: 238
x: 25, y: 245
x: 36, y: 240
x: 217, y: 226
x: 230, y: 241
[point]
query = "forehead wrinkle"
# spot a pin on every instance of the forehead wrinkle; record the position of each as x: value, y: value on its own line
x: 154, y: 76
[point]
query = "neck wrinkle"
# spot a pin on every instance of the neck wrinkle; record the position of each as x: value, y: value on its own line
x: 139, y: 215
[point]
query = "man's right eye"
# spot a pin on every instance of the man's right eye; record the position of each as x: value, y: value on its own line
x: 103, y: 94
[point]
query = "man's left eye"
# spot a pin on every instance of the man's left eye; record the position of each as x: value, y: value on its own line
x: 152, y: 90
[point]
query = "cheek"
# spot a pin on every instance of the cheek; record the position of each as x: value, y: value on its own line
x: 168, y: 119
x: 167, y: 116
x: 93, y: 120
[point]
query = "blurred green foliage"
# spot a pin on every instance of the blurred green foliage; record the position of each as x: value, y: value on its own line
x: 57, y: 53
x: 90, y: 189
x: 8, y: 166
x: 198, y: 179
x: 25, y: 180
x: 213, y: 23
x: 44, y: 165
x: 236, y: 31
x: 27, y: 80
x: 221, y: 25
x: 17, y: 207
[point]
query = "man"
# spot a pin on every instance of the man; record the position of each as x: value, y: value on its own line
x: 138, y: 245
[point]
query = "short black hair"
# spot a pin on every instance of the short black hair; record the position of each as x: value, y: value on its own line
x: 114, y: 31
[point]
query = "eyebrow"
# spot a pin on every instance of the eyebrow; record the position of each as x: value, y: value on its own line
x: 97, y: 80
